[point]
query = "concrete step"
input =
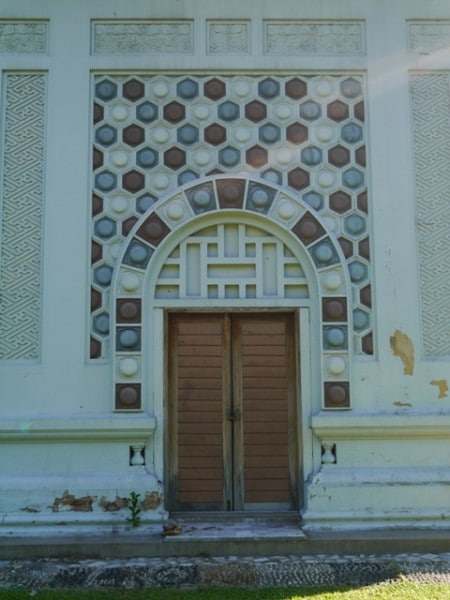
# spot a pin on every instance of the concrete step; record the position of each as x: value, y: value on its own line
x: 240, y: 535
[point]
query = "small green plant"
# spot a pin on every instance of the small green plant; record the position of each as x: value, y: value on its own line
x: 134, y: 506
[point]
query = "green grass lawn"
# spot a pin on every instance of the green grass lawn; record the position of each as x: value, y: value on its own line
x: 389, y: 591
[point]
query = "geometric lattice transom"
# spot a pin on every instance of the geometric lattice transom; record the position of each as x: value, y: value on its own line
x: 231, y: 261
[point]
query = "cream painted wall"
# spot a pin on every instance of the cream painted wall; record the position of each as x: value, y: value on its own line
x: 57, y: 428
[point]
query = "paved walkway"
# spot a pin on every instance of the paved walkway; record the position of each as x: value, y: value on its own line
x: 249, y: 571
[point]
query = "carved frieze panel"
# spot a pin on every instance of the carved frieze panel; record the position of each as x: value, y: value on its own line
x: 23, y: 37
x: 427, y: 37
x: 314, y: 37
x: 228, y: 37
x: 142, y: 37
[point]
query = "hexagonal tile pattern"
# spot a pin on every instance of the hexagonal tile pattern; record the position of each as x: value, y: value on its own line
x: 152, y: 133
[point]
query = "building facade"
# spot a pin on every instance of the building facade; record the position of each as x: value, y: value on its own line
x: 225, y: 261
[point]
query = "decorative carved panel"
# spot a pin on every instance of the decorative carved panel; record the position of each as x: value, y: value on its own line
x: 23, y: 36
x: 426, y: 37
x: 228, y: 37
x: 141, y: 37
x: 309, y: 37
x: 431, y: 127
x: 154, y: 134
x: 21, y: 235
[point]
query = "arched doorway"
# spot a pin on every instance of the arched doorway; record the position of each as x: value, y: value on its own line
x: 235, y: 263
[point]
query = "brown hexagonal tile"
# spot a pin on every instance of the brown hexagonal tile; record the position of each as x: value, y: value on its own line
x: 133, y: 135
x: 95, y: 348
x: 296, y: 133
x: 174, y: 158
x: 255, y: 111
x: 364, y: 248
x: 337, y: 110
x: 174, y: 112
x: 296, y: 88
x: 97, y: 205
x: 214, y: 89
x: 340, y: 202
x: 133, y: 181
x: 347, y: 246
x: 298, y: 178
x: 97, y: 159
x: 96, y: 252
x: 360, y: 156
x: 215, y: 134
x: 339, y: 156
x: 367, y: 344
x: 98, y: 112
x: 362, y: 202
x: 96, y: 299
x: 133, y: 89
x: 365, y: 296
x: 358, y: 110
x: 128, y: 225
x: 256, y: 156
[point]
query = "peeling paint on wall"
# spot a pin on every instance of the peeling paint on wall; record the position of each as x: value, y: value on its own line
x: 151, y: 501
x: 403, y: 347
x: 403, y: 404
x: 442, y: 385
x: 113, y: 505
x: 68, y: 502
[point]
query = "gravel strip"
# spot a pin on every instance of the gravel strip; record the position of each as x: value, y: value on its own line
x: 250, y: 571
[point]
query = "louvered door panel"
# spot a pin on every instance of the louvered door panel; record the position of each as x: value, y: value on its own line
x: 263, y: 349
x: 199, y: 399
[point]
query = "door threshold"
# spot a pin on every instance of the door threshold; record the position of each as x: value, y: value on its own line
x: 222, y: 526
x: 290, y: 516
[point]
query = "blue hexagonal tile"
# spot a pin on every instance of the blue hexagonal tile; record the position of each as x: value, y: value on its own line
x: 269, y: 133
x: 268, y: 88
x: 105, y: 228
x: 353, y: 178
x: 187, y: 176
x: 105, y: 181
x: 229, y: 156
x: 351, y: 133
x: 106, y: 135
x: 311, y: 156
x: 144, y: 202
x: 187, y: 89
x: 314, y: 199
x: 147, y: 157
x: 187, y: 134
x: 228, y: 111
x: 106, y: 90
x: 310, y: 110
x: 147, y: 112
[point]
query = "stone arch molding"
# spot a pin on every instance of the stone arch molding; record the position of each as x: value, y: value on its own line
x: 238, y: 200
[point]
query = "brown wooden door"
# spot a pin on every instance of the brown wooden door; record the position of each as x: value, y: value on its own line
x: 232, y: 435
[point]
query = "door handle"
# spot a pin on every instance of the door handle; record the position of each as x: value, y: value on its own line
x: 234, y: 414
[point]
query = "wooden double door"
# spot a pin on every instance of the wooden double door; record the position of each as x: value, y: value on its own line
x: 232, y: 436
